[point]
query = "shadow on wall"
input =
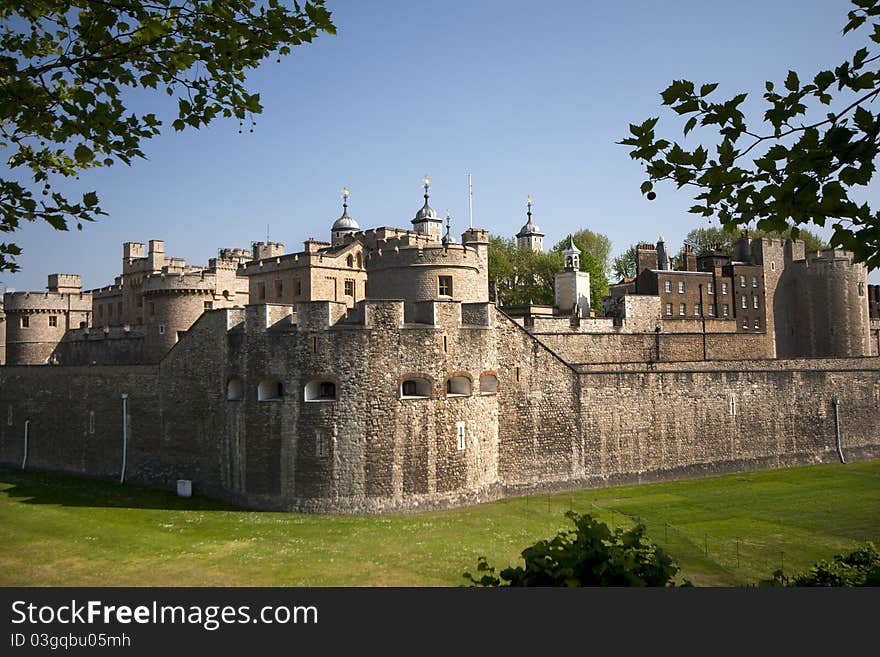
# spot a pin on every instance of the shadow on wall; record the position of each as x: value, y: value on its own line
x: 64, y: 490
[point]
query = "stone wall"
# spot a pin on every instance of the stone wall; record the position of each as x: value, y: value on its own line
x: 531, y: 420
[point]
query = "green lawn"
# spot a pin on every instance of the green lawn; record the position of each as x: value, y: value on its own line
x: 722, y: 531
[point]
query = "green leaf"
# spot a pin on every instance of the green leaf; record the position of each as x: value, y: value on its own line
x: 706, y: 89
x: 864, y: 120
x: 792, y: 83
x: 691, y: 123
x: 83, y: 154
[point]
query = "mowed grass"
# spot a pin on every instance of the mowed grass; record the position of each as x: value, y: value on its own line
x: 722, y: 531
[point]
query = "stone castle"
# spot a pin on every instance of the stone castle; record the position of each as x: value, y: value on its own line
x: 372, y: 373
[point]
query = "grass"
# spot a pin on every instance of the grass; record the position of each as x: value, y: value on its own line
x: 722, y: 531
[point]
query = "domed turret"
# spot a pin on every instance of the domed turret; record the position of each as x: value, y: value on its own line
x: 448, y: 238
x: 530, y: 235
x: 345, y: 224
x: 426, y: 221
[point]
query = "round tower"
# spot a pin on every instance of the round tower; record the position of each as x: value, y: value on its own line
x: 37, y: 321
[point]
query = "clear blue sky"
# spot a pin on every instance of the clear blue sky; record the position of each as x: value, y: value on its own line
x: 527, y: 97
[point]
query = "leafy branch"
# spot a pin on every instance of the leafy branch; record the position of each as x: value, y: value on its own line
x: 794, y: 173
x: 64, y: 67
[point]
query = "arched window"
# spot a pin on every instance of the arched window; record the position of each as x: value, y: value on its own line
x: 320, y: 390
x: 269, y: 390
x: 488, y: 384
x: 458, y: 386
x: 235, y: 389
x: 415, y: 388
x: 349, y: 260
x: 359, y: 261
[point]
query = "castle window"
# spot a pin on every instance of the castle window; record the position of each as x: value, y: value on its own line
x: 152, y: 309
x: 742, y: 281
x: 861, y: 289
x: 724, y: 288
x: 682, y: 309
x: 669, y: 309
x: 458, y: 386
x: 745, y: 322
x: 349, y: 286
x: 226, y: 294
x: 725, y: 310
x: 360, y: 261
x: 320, y: 390
x: 745, y: 301
x: 697, y: 309
x: 25, y: 321
x: 279, y: 289
x: 161, y: 329
x: 235, y: 389
x: 209, y: 305
x: 488, y: 384
x: 754, y: 281
x: 321, y: 443
x: 445, y: 344
x: 772, y: 266
x: 261, y: 291
x: 681, y: 287
x: 755, y: 301
x: 667, y: 286
x: 269, y: 390
x: 445, y: 286
x: 757, y: 323
x: 415, y: 388
x: 459, y: 435
x: 710, y: 288
x: 299, y: 287
x: 516, y: 373
x: 349, y: 260
x: 53, y: 320
x: 711, y: 310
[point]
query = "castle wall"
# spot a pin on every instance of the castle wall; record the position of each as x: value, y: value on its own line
x: 687, y: 344
x: 96, y: 346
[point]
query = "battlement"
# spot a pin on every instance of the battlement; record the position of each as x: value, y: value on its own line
x: 173, y: 282
x: 829, y: 255
x: 263, y: 250
x: 67, y: 283
x: 390, y: 253
x: 314, y: 316
x: 47, y: 301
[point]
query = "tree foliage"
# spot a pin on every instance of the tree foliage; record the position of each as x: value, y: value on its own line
x: 858, y: 568
x: 589, y: 555
x: 807, y: 165
x: 522, y: 276
x: 624, y: 265
x: 65, y: 66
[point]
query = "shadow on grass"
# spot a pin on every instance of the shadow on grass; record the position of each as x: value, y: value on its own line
x: 25, y: 487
